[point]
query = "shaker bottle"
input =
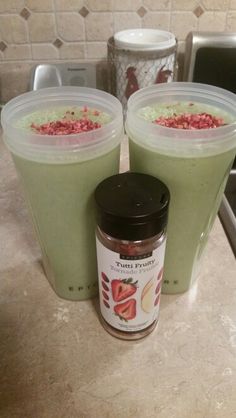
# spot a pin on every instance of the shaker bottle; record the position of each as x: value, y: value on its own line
x: 132, y: 212
x: 193, y: 163
x: 59, y: 175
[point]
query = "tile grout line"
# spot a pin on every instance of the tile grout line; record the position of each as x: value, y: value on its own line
x: 56, y: 29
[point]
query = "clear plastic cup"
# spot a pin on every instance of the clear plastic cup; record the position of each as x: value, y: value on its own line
x: 60, y: 174
x: 194, y: 164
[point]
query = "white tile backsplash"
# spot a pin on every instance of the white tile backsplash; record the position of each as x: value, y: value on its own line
x: 33, y: 31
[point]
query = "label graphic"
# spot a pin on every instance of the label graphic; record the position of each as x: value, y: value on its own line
x: 130, y: 287
x: 134, y: 73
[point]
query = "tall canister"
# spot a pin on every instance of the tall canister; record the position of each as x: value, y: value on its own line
x: 138, y: 58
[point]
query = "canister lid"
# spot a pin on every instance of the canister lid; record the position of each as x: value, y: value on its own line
x: 132, y: 206
x: 144, y: 39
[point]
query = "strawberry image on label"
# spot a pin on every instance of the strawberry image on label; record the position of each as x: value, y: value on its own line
x: 106, y: 303
x: 160, y: 274
x: 122, y: 289
x: 157, y: 300
x: 158, y: 288
x: 105, y: 287
x: 126, y: 310
x: 105, y: 295
x: 104, y: 277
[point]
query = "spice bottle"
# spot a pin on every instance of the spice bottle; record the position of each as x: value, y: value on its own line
x: 132, y: 210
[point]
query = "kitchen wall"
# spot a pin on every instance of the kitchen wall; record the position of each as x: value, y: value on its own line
x: 34, y: 31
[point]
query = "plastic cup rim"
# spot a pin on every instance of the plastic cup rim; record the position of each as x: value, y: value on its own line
x: 65, y: 92
x: 135, y: 123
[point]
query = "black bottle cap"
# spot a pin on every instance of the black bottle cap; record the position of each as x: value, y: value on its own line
x: 132, y: 206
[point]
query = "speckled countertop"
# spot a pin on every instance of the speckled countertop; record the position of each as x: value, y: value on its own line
x: 56, y: 361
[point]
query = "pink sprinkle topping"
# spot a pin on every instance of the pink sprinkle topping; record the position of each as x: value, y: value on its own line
x: 66, y: 127
x: 190, y: 121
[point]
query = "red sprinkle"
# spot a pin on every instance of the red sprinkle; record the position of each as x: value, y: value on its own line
x: 66, y: 127
x: 190, y: 121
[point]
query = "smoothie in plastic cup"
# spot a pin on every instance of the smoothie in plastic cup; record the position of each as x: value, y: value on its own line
x: 60, y: 171
x: 193, y: 161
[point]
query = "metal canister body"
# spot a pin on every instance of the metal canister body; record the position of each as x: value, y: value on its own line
x: 131, y: 70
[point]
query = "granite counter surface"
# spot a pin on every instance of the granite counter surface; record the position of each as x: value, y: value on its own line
x: 56, y: 360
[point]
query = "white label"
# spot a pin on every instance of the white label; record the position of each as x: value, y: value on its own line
x: 130, y: 287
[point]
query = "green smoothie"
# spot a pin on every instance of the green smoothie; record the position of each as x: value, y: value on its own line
x: 196, y: 185
x: 64, y: 141
x: 60, y: 197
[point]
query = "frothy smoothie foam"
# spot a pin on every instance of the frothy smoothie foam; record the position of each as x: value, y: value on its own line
x: 61, y: 153
x: 185, y: 115
x: 61, y: 119
x: 193, y: 161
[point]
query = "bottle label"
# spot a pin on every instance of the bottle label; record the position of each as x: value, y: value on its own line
x: 130, y: 287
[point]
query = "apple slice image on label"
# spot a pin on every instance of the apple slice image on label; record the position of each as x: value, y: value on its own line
x: 147, y: 296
